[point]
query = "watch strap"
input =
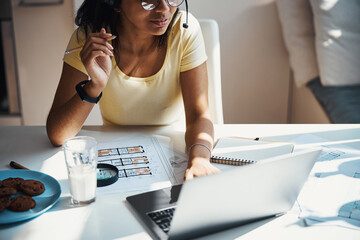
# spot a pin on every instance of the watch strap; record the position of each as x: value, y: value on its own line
x: 82, y: 94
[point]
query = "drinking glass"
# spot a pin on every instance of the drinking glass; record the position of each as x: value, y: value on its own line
x: 81, y: 161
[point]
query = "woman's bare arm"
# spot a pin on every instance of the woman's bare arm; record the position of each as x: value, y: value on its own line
x: 68, y: 112
x: 199, y: 126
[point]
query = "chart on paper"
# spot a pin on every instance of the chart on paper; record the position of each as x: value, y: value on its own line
x: 128, y: 166
x: 141, y: 162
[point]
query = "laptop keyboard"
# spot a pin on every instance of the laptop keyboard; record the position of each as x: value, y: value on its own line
x: 163, y: 218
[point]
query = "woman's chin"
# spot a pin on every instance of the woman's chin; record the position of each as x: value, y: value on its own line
x: 159, y: 31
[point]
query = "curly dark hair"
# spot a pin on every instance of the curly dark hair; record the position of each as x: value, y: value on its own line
x: 96, y: 14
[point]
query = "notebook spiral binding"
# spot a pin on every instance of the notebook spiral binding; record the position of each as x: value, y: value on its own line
x: 230, y: 161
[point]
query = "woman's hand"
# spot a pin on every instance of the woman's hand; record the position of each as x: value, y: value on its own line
x: 200, y: 167
x: 95, y: 56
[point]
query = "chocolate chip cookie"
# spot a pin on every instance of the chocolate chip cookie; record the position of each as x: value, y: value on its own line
x: 12, y: 182
x: 32, y: 187
x: 21, y: 203
x: 7, y: 191
x: 4, y: 203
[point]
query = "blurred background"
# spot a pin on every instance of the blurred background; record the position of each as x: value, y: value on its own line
x: 257, y: 82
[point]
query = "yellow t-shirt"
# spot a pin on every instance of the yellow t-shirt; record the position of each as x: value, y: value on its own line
x: 153, y: 100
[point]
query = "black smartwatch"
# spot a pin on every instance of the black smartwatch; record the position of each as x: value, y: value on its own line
x: 82, y: 94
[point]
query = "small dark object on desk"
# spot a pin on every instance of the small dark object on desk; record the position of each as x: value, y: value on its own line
x: 17, y: 165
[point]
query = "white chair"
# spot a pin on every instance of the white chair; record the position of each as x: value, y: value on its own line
x: 210, y: 31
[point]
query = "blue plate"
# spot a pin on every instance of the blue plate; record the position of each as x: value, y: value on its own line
x: 44, y: 201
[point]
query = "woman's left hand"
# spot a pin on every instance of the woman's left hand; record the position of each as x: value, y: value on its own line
x: 199, y: 167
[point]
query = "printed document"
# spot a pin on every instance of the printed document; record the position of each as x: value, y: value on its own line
x: 331, y: 196
x: 143, y: 162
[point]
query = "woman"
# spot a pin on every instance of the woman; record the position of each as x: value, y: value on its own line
x: 145, y: 76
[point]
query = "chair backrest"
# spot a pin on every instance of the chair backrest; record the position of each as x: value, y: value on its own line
x: 210, y: 31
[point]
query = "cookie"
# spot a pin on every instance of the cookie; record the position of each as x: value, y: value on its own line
x: 32, y: 187
x: 7, y: 191
x: 12, y: 182
x: 4, y: 203
x: 21, y: 203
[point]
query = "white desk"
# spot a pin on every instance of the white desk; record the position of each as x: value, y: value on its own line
x: 108, y: 217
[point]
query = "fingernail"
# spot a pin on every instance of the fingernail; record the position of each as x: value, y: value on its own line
x: 109, y: 46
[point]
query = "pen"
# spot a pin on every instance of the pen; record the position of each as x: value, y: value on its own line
x: 79, y: 48
x: 17, y: 165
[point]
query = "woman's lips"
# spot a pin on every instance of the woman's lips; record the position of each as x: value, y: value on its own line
x: 160, y: 22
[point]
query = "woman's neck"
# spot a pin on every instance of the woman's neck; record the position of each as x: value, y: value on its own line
x: 135, y: 42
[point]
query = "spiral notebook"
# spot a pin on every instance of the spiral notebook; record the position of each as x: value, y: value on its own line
x: 241, y: 151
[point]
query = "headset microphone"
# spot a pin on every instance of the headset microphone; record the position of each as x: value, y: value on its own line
x: 185, y: 25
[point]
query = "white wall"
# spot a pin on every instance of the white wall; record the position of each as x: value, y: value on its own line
x: 254, y: 64
x: 41, y: 36
x: 305, y: 108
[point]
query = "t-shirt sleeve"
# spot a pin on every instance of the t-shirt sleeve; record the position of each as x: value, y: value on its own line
x: 73, y: 59
x: 194, y: 53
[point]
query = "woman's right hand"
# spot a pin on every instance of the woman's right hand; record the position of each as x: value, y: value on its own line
x: 95, y: 56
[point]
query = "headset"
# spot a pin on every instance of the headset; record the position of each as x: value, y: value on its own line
x: 186, y: 25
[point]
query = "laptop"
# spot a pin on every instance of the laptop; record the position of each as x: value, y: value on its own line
x: 224, y: 200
